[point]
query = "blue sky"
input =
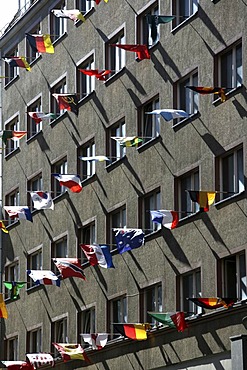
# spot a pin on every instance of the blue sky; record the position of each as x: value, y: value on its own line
x: 7, y: 11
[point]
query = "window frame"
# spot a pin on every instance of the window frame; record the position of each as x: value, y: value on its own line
x: 185, y: 305
x: 143, y: 29
x: 34, y: 262
x: 86, y: 169
x: 148, y: 226
x: 86, y: 323
x: 157, y: 289
x: 34, y: 183
x: 33, y: 128
x: 55, y: 328
x: 15, y: 339
x: 85, y: 84
x: 12, y: 199
x: 58, y: 166
x: 148, y: 122
x: 13, y: 124
x: 32, y: 55
x: 87, y: 235
x: 58, y: 87
x: 115, y: 150
x: 57, y: 25
x: 84, y: 5
x: 34, y: 340
x: 11, y: 73
x: 181, y: 14
x: 122, y: 212
x: 117, y: 313
x: 115, y: 58
x: 11, y: 273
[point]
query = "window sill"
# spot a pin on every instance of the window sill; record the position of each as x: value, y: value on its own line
x: 60, y: 196
x: 185, y: 121
x: 149, y: 143
x: 14, y: 79
x: 152, y: 235
x: 116, y: 75
x: 59, y: 39
x: 85, y: 15
x: 12, y: 153
x: 86, y: 98
x: 88, y: 180
x: 187, y: 20
x: 116, y: 163
x: 13, y: 224
x: 229, y: 94
x: 33, y: 137
x: 59, y: 118
x: 228, y: 199
x: 39, y: 57
x: 33, y: 288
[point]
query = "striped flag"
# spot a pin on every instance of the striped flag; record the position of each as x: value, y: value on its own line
x: 203, y: 198
x: 133, y: 331
x: 69, y: 267
x: 96, y: 340
x: 44, y: 277
x: 168, y: 219
x: 71, y: 351
x: 39, y: 116
x: 18, y: 62
x: 3, y: 309
x: 209, y: 90
x: 213, y: 302
x: 40, y: 43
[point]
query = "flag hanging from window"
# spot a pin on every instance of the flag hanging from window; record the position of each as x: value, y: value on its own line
x: 71, y: 351
x: 169, y: 114
x: 213, y: 302
x: 72, y: 182
x: 42, y: 200
x: 168, y: 219
x: 21, y: 212
x: 69, y: 267
x: 179, y: 320
x: 133, y: 331
x: 127, y: 141
x: 96, y: 340
x: 95, y: 158
x: 39, y: 116
x: 14, y: 135
x: 73, y: 14
x: 68, y: 102
x: 154, y: 21
x: 18, y: 62
x: 3, y: 227
x: 18, y: 365
x: 44, y: 277
x: 14, y: 287
x: 40, y: 43
x: 209, y: 90
x: 40, y: 359
x: 203, y: 198
x: 98, y: 255
x: 164, y: 318
x: 98, y: 1
x: 128, y: 239
x: 141, y: 50
x: 99, y: 74
x: 3, y: 309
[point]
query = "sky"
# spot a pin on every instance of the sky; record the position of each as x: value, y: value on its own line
x: 7, y: 11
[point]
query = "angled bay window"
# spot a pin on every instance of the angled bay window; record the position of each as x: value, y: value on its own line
x: 117, y: 219
x: 12, y: 199
x: 31, y: 54
x: 10, y: 72
x: 85, y: 84
x: 58, y: 26
x: 117, y: 312
x: 114, y: 56
x: 149, y: 202
x: 143, y: 28
x: 183, y: 9
x: 150, y: 300
x: 11, y: 273
x: 86, y: 323
x: 58, y: 88
x: 230, y: 173
x: 34, y: 184
x: 233, y: 276
x: 12, y: 125
x: 60, y: 167
x: 148, y: 124
x: 190, y: 287
x: 34, y: 262
x: 230, y: 67
x: 87, y: 235
x: 86, y: 168
x: 183, y: 202
x: 11, y: 346
x: 34, y: 340
x: 33, y: 127
x: 187, y: 99
x: 117, y: 151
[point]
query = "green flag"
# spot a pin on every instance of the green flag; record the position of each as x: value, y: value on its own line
x: 14, y: 287
x: 154, y: 20
x: 164, y: 318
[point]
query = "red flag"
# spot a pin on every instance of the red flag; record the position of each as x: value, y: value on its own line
x: 179, y: 320
x: 69, y: 267
x: 209, y: 90
x: 141, y: 50
x: 100, y: 75
x: 67, y: 101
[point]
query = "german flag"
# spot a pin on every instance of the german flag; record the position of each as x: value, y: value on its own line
x: 133, y: 331
x: 203, y: 198
x: 18, y: 62
x: 212, y: 303
x: 209, y: 90
x: 40, y: 43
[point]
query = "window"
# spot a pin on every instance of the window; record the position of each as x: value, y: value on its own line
x: 12, y: 199
x: 151, y: 300
x: 87, y: 236
x: 86, y: 168
x: 190, y: 287
x: 31, y: 55
x: 86, y: 322
x: 84, y: 5
x: 11, y: 72
x: 183, y: 9
x: 118, y: 312
x: 230, y: 173
x: 32, y: 127
x: 35, y: 184
x: 85, y: 83
x: 150, y: 202
x: 233, y: 270
x: 149, y: 124
x: 34, y: 341
x: 13, y: 125
x: 117, y: 151
x: 61, y: 168
x: 59, y: 332
x: 114, y: 56
x: 230, y: 67
x: 188, y: 181
x: 11, y: 348
x: 187, y: 99
x: 117, y: 220
x: 58, y: 26
x: 11, y: 273
x: 59, y: 88
x: 60, y: 248
x: 144, y: 29
x: 34, y: 262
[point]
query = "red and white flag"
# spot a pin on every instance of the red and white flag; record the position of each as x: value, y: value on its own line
x: 72, y: 182
x: 40, y: 359
x: 97, y: 341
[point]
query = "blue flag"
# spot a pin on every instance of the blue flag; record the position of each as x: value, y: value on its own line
x: 129, y: 239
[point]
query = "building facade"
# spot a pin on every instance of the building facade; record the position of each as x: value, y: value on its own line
x: 204, y: 256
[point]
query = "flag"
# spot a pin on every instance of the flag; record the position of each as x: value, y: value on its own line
x: 44, y: 277
x: 21, y: 212
x: 40, y: 359
x: 164, y: 318
x: 212, y: 303
x: 96, y: 158
x: 71, y: 351
x: 3, y: 227
x: 154, y: 20
x: 40, y: 43
x: 69, y: 267
x: 98, y: 1
x: 133, y: 331
x: 3, y: 309
x: 127, y: 141
x: 67, y: 101
x: 141, y: 50
x: 73, y: 14
x: 18, y: 62
x: 14, y: 287
x: 209, y: 90
x: 14, y: 135
x: 128, y: 239
x: 72, y: 182
x: 98, y: 255
x: 39, y: 116
x: 99, y: 74
x: 168, y: 219
x: 169, y: 114
x: 18, y: 365
x: 42, y: 200
x: 179, y: 320
x: 203, y: 198
x: 97, y: 341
